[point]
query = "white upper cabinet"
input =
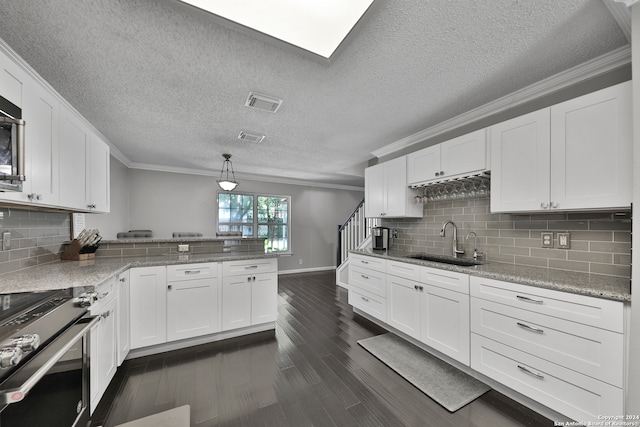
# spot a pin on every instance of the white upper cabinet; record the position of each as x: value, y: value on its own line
x: 387, y: 193
x: 457, y: 157
x: 74, y: 135
x: 591, y: 150
x: 40, y: 110
x: 66, y: 162
x: 84, y: 165
x: 572, y: 156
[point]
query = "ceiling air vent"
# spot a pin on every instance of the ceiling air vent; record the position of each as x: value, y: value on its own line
x: 251, y: 137
x: 263, y: 102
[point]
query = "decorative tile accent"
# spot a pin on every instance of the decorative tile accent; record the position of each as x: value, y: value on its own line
x: 600, y: 243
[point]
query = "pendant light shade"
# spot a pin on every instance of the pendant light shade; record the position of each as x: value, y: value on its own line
x: 226, y: 183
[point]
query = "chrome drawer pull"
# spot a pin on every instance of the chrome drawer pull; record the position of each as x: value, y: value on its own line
x: 530, y: 328
x: 192, y: 272
x: 535, y: 374
x: 364, y: 277
x: 535, y: 301
x: 364, y: 262
x: 251, y: 267
x: 365, y: 299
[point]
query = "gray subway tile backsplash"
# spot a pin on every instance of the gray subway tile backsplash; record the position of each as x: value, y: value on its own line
x: 600, y: 242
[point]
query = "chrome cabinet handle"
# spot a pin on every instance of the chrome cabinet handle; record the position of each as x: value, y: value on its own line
x: 192, y: 272
x: 365, y: 299
x: 170, y: 287
x: 531, y: 300
x: 364, y: 277
x: 251, y: 267
x: 530, y: 372
x: 530, y: 328
x: 364, y: 262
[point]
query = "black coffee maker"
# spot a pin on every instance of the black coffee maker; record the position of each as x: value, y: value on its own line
x: 380, y: 238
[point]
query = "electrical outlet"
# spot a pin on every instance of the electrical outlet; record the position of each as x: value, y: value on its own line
x: 300, y: 261
x: 547, y: 239
x: 183, y: 248
x: 564, y: 240
x: 6, y: 240
x: 6, y: 302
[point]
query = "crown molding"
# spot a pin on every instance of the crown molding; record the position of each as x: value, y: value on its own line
x: 241, y: 176
x: 600, y: 65
x: 627, y: 3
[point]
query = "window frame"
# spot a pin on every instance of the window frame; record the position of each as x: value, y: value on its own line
x: 256, y: 223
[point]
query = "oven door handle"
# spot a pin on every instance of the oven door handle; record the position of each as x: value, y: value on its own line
x: 16, y: 387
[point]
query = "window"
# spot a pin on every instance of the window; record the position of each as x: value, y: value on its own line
x: 256, y: 216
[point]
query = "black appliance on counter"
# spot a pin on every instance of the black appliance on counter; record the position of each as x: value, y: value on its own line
x: 44, y: 366
x: 380, y: 238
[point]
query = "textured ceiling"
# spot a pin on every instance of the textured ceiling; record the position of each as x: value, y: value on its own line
x: 166, y: 83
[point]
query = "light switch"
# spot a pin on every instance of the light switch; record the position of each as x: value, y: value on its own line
x: 564, y: 240
x: 547, y: 239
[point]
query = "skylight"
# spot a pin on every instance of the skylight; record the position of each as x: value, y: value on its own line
x: 318, y: 26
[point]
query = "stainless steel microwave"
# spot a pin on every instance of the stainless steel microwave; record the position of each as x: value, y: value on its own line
x: 12, y: 173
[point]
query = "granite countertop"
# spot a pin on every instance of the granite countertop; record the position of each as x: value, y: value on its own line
x: 595, y: 285
x: 179, y: 239
x: 85, y: 275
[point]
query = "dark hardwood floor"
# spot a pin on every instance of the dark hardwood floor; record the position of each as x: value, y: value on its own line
x: 310, y: 372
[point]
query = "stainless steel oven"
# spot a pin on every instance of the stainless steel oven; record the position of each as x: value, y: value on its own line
x: 44, y: 369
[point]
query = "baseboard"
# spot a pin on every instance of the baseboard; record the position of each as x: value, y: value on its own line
x: 307, y: 270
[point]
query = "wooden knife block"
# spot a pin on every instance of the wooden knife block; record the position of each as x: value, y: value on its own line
x: 72, y: 252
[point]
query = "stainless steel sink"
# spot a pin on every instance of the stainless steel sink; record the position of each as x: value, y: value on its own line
x: 446, y: 260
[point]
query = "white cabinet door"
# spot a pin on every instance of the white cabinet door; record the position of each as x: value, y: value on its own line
x: 40, y: 111
x: 403, y: 305
x: 103, y: 360
x: 387, y: 193
x: 464, y: 154
x: 264, y: 298
x: 12, y: 80
x: 98, y: 174
x: 520, y: 167
x: 236, y: 302
x: 148, y: 291
x: 74, y: 190
x: 445, y: 322
x: 192, y: 308
x: 423, y: 165
x: 591, y: 150
x: 124, y: 317
x: 374, y: 191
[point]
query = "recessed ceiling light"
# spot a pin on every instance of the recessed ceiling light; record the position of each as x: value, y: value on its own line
x: 316, y: 26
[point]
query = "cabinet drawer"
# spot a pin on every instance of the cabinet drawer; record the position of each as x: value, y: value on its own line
x: 566, y: 391
x: 371, y: 304
x: 252, y: 266
x: 601, y: 313
x: 368, y: 280
x: 451, y: 280
x: 191, y: 271
x: 368, y: 262
x: 592, y: 351
x: 403, y: 269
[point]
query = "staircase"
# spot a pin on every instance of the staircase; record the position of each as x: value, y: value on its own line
x: 353, y: 234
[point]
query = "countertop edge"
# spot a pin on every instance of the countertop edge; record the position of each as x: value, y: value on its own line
x: 590, y: 284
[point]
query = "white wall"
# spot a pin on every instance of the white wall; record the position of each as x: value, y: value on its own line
x: 118, y: 219
x: 633, y: 395
x: 165, y: 202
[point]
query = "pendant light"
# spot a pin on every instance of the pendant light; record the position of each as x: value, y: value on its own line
x: 227, y: 184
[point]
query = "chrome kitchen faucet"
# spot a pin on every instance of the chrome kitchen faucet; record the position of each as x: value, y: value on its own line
x: 456, y: 251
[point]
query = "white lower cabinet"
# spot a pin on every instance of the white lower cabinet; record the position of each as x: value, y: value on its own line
x: 124, y: 317
x: 148, y: 300
x: 249, y: 293
x: 563, y: 350
x: 193, y: 301
x: 434, y: 315
x: 368, y: 285
x: 103, y: 359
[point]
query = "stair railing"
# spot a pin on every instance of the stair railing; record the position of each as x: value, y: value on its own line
x: 353, y: 232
